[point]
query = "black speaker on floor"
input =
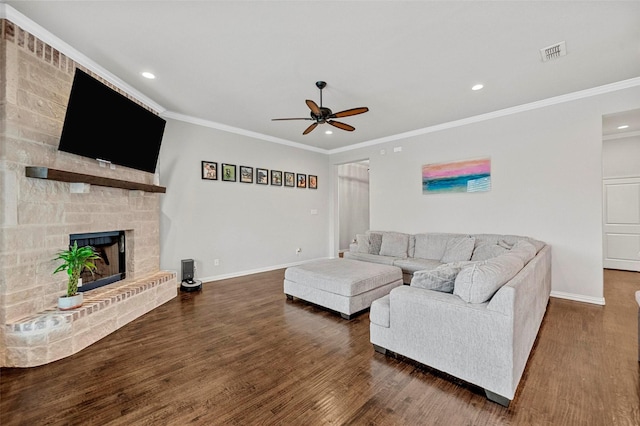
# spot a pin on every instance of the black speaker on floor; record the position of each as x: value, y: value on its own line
x: 188, y: 282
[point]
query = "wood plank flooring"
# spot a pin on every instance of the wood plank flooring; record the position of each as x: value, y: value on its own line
x: 239, y: 353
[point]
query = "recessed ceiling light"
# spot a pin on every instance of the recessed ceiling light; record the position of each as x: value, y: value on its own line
x: 477, y: 87
x: 328, y: 132
x: 148, y: 75
x: 624, y: 126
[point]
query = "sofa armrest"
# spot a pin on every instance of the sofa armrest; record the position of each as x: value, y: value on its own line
x: 465, y: 340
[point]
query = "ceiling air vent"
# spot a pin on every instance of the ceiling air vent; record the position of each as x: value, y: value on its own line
x: 553, y: 52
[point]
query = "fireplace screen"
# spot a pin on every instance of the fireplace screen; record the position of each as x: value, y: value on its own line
x: 111, y: 267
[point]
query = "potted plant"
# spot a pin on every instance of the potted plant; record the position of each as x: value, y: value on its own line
x: 75, y: 260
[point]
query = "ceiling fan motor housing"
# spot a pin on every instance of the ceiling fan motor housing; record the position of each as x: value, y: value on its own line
x: 324, y: 114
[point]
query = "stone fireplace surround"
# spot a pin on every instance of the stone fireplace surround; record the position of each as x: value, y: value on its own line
x: 37, y: 216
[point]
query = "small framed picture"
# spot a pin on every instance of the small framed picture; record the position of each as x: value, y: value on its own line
x: 276, y: 177
x: 209, y: 170
x: 302, y: 180
x: 246, y: 174
x: 289, y: 179
x: 262, y: 176
x: 228, y: 172
x: 313, y: 182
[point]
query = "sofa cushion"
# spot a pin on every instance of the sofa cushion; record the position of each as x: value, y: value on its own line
x: 379, y: 312
x: 375, y: 241
x: 413, y: 264
x: 478, y: 282
x: 363, y: 243
x: 373, y: 258
x: 458, y: 249
x: 432, y: 245
x: 394, y: 244
x: 524, y: 250
x: 484, y: 251
x: 441, y: 278
x: 506, y: 241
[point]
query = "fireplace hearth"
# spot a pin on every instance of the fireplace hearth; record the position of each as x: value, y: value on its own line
x: 112, y: 266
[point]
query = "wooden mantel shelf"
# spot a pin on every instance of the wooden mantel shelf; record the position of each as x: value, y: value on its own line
x: 62, y: 176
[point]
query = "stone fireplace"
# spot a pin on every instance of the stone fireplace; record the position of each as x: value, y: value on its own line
x: 38, y: 217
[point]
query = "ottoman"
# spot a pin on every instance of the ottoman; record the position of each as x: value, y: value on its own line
x: 343, y: 285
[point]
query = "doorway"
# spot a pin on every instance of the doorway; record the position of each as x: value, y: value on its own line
x: 621, y: 190
x: 353, y: 201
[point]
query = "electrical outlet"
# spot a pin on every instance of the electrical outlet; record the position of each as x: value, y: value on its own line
x: 216, y: 262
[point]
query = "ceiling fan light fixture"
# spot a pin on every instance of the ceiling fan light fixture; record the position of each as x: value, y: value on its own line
x: 321, y: 114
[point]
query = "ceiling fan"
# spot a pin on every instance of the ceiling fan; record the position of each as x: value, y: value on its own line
x: 321, y: 114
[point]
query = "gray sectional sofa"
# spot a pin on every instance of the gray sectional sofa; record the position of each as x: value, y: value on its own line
x: 473, y: 306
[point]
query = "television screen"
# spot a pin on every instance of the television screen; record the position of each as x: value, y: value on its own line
x: 101, y: 123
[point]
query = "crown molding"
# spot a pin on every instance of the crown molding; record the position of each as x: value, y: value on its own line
x: 556, y: 100
x: 10, y: 14
x: 238, y: 131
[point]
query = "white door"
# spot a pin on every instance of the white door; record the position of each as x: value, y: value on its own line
x: 622, y: 224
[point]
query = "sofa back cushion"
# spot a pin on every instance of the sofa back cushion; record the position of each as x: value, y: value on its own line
x: 506, y: 241
x: 394, y: 244
x: 458, y: 249
x: 434, y: 245
x: 488, y: 250
x: 478, y: 282
x: 524, y: 250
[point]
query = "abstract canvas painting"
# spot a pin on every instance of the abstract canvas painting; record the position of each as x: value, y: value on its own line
x: 458, y: 176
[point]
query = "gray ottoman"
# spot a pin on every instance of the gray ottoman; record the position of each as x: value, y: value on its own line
x: 343, y: 285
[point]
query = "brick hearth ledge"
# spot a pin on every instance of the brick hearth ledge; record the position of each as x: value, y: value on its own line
x: 53, y: 334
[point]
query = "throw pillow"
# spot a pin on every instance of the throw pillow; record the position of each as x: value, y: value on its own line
x: 487, y: 251
x: 363, y: 243
x: 394, y: 244
x: 441, y: 278
x: 375, y: 241
x: 478, y: 283
x: 459, y: 248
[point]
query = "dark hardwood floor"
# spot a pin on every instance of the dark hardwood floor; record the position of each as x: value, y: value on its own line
x: 239, y: 353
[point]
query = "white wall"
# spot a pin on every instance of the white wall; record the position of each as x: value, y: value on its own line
x: 621, y: 157
x: 546, y: 183
x: 353, y: 201
x: 248, y: 227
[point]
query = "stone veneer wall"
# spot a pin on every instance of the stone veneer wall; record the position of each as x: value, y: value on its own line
x: 37, y: 216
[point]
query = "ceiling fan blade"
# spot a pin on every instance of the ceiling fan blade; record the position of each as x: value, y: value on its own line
x: 348, y: 112
x: 342, y: 126
x: 310, y: 128
x: 280, y: 119
x: 313, y: 107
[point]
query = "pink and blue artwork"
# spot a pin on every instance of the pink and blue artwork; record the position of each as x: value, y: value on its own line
x: 459, y: 176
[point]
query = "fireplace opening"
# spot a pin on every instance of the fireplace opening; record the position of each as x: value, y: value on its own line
x: 112, y: 265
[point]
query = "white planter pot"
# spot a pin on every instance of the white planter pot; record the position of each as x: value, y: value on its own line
x: 66, y: 303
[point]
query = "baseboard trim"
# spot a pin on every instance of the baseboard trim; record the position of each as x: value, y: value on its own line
x: 255, y: 271
x: 578, y: 297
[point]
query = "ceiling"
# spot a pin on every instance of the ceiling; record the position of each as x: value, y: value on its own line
x: 237, y: 64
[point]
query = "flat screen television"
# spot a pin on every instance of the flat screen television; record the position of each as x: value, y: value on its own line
x: 103, y: 124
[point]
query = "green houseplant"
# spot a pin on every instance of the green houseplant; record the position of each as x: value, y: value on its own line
x: 74, y: 261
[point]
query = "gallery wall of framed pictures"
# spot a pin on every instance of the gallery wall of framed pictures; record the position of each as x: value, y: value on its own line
x: 257, y: 175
